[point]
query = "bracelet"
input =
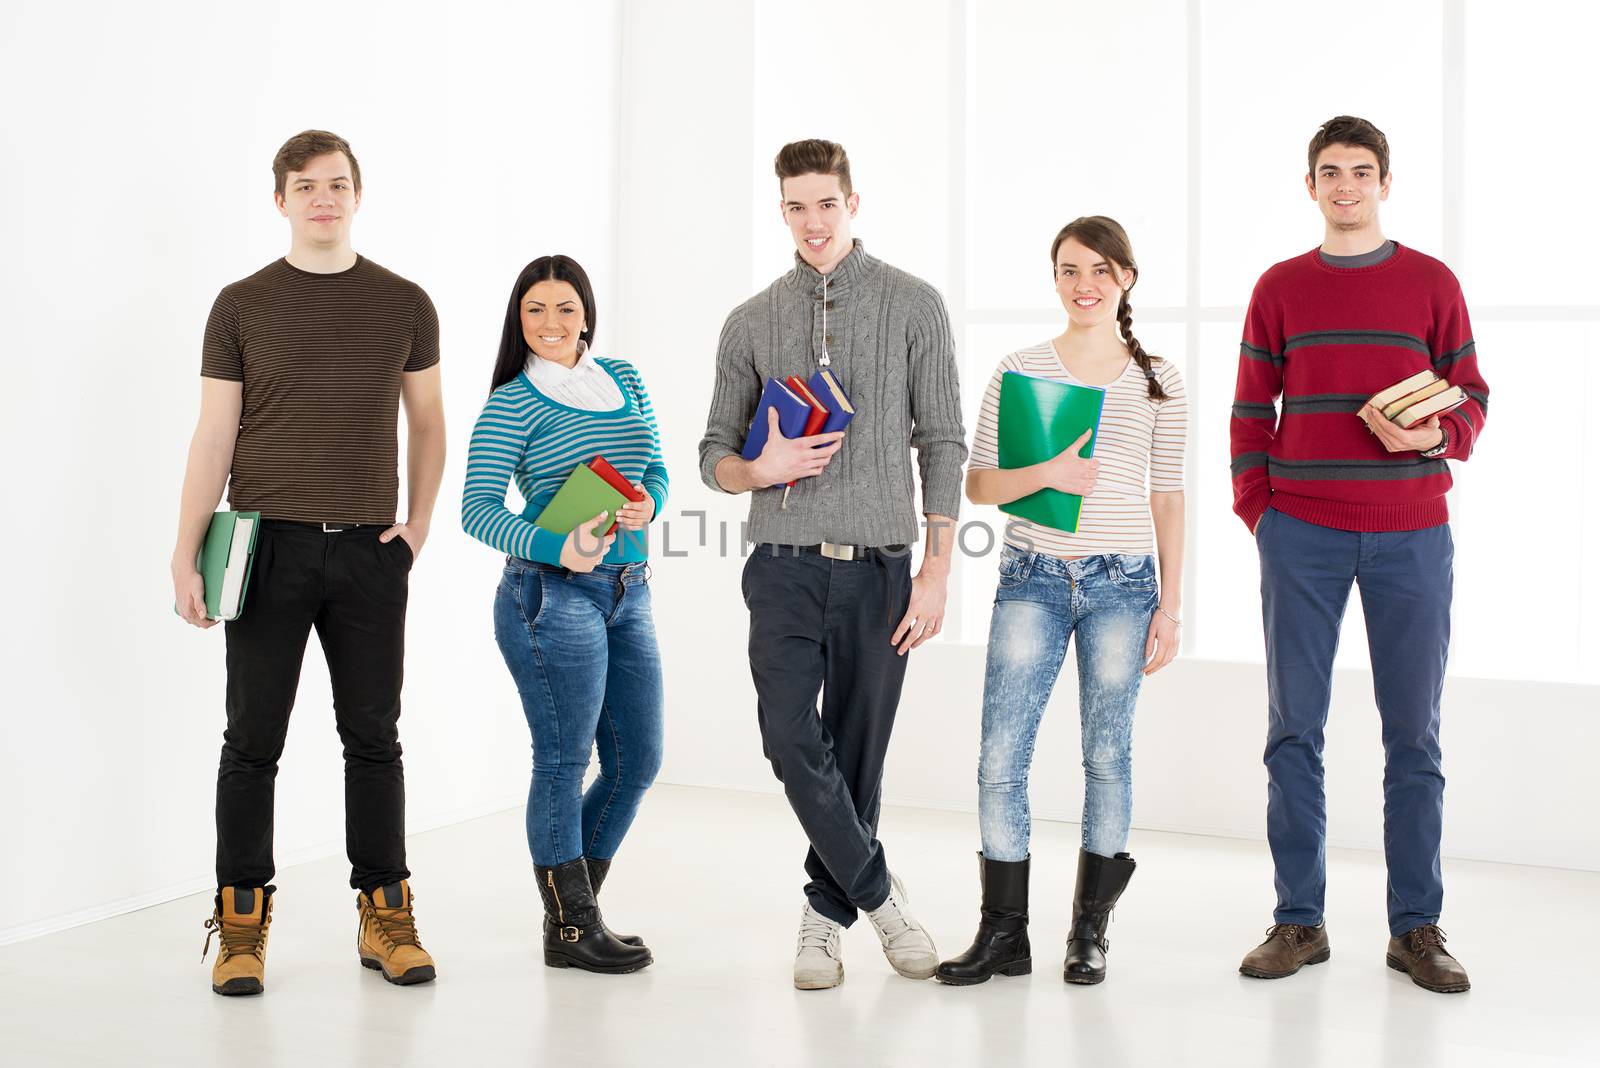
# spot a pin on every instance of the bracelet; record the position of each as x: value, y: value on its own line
x: 1175, y: 620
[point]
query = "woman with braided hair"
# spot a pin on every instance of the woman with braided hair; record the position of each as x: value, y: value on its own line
x: 1114, y: 584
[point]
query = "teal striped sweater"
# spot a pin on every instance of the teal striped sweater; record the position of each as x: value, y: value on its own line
x: 538, y: 441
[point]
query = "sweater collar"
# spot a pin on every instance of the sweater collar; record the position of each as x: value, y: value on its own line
x: 854, y: 268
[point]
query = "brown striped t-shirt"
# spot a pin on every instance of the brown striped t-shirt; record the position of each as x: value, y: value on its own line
x: 320, y: 357
x: 1139, y: 445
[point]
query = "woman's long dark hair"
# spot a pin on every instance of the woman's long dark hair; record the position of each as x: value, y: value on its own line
x: 513, y: 346
x: 1106, y: 237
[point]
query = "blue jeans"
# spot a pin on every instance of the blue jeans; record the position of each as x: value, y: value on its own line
x: 1405, y: 579
x: 1042, y: 601
x: 582, y: 649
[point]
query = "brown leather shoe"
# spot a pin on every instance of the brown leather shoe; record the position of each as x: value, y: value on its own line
x: 1420, y: 953
x: 1288, y: 948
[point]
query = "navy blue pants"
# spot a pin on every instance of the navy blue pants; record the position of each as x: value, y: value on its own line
x: 821, y: 624
x: 1405, y: 579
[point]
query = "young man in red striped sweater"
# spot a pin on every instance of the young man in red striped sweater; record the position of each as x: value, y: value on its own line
x: 1334, y: 499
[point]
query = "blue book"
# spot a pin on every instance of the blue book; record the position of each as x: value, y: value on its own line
x: 833, y: 397
x: 792, y: 415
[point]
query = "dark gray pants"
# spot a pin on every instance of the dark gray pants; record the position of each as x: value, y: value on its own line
x: 817, y: 623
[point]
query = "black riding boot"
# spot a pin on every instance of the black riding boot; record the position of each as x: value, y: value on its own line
x: 574, y: 934
x: 1001, y: 945
x: 598, y: 870
x: 597, y: 875
x: 1101, y: 881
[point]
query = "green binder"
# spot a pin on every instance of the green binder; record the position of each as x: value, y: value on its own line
x: 583, y: 495
x: 226, y: 557
x: 1039, y: 417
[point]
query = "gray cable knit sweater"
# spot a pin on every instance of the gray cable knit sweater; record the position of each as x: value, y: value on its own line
x: 891, y: 349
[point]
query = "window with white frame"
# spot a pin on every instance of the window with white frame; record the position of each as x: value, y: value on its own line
x: 990, y: 125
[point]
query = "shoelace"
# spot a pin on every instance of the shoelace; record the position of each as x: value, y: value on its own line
x: 816, y: 932
x: 397, y: 926
x: 1291, y: 932
x: 1425, y: 936
x: 235, y: 938
x: 894, y: 924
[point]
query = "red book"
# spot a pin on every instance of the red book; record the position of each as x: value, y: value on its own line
x: 602, y: 467
x: 819, y: 414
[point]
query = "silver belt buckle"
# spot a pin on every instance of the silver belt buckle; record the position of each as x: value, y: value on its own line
x: 334, y: 528
x: 838, y: 552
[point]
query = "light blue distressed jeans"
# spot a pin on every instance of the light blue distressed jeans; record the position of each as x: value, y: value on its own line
x: 1042, y: 602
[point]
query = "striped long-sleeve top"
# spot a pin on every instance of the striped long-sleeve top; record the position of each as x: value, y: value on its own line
x: 1139, y: 446
x: 525, y: 435
x: 1325, y: 338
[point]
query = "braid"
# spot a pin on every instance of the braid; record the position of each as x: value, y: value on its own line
x: 1136, y: 350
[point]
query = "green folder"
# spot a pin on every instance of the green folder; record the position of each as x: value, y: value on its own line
x: 583, y: 495
x: 1039, y: 417
x: 225, y: 560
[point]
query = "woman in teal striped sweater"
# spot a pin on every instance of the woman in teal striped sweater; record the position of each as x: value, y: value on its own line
x: 572, y: 612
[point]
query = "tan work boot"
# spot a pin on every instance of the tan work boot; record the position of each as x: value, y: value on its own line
x: 240, y: 919
x: 387, y: 937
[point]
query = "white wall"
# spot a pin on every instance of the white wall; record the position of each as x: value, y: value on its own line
x: 138, y: 147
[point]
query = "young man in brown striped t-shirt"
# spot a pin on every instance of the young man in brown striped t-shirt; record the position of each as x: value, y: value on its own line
x: 304, y: 366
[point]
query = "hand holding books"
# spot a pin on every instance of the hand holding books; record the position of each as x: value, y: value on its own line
x: 585, y: 547
x: 1418, y: 438
x: 637, y: 513
x: 783, y: 460
x: 1069, y: 472
x: 797, y: 428
x: 1405, y: 416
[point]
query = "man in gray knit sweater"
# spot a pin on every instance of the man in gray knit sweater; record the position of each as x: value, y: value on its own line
x: 833, y: 604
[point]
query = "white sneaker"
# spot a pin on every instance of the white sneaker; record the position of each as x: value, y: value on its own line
x: 818, y: 963
x: 908, y: 947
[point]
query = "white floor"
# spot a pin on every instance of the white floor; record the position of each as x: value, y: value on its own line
x: 712, y: 879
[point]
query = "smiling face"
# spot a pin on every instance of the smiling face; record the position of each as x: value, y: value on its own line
x: 818, y: 214
x: 320, y: 202
x: 1346, y: 186
x: 1089, y: 285
x: 552, y: 320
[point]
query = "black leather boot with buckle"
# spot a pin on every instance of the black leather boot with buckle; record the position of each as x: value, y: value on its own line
x: 574, y: 934
x: 1001, y: 944
x: 1101, y: 881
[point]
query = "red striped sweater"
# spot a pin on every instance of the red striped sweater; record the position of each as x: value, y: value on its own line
x: 1325, y: 339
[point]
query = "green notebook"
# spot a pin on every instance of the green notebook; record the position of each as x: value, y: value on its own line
x: 583, y: 495
x: 1039, y: 417
x: 226, y: 557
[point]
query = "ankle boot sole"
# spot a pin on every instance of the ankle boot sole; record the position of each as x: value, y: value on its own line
x: 1259, y: 973
x: 422, y: 973
x: 556, y: 960
x: 241, y: 987
x: 1015, y: 968
x: 1082, y: 979
x: 820, y: 984
x: 1438, y: 988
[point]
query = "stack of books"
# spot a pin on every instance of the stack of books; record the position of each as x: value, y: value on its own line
x: 592, y: 488
x: 802, y: 410
x: 1416, y: 399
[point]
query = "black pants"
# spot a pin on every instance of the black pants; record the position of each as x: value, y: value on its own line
x: 817, y: 623
x: 352, y: 589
